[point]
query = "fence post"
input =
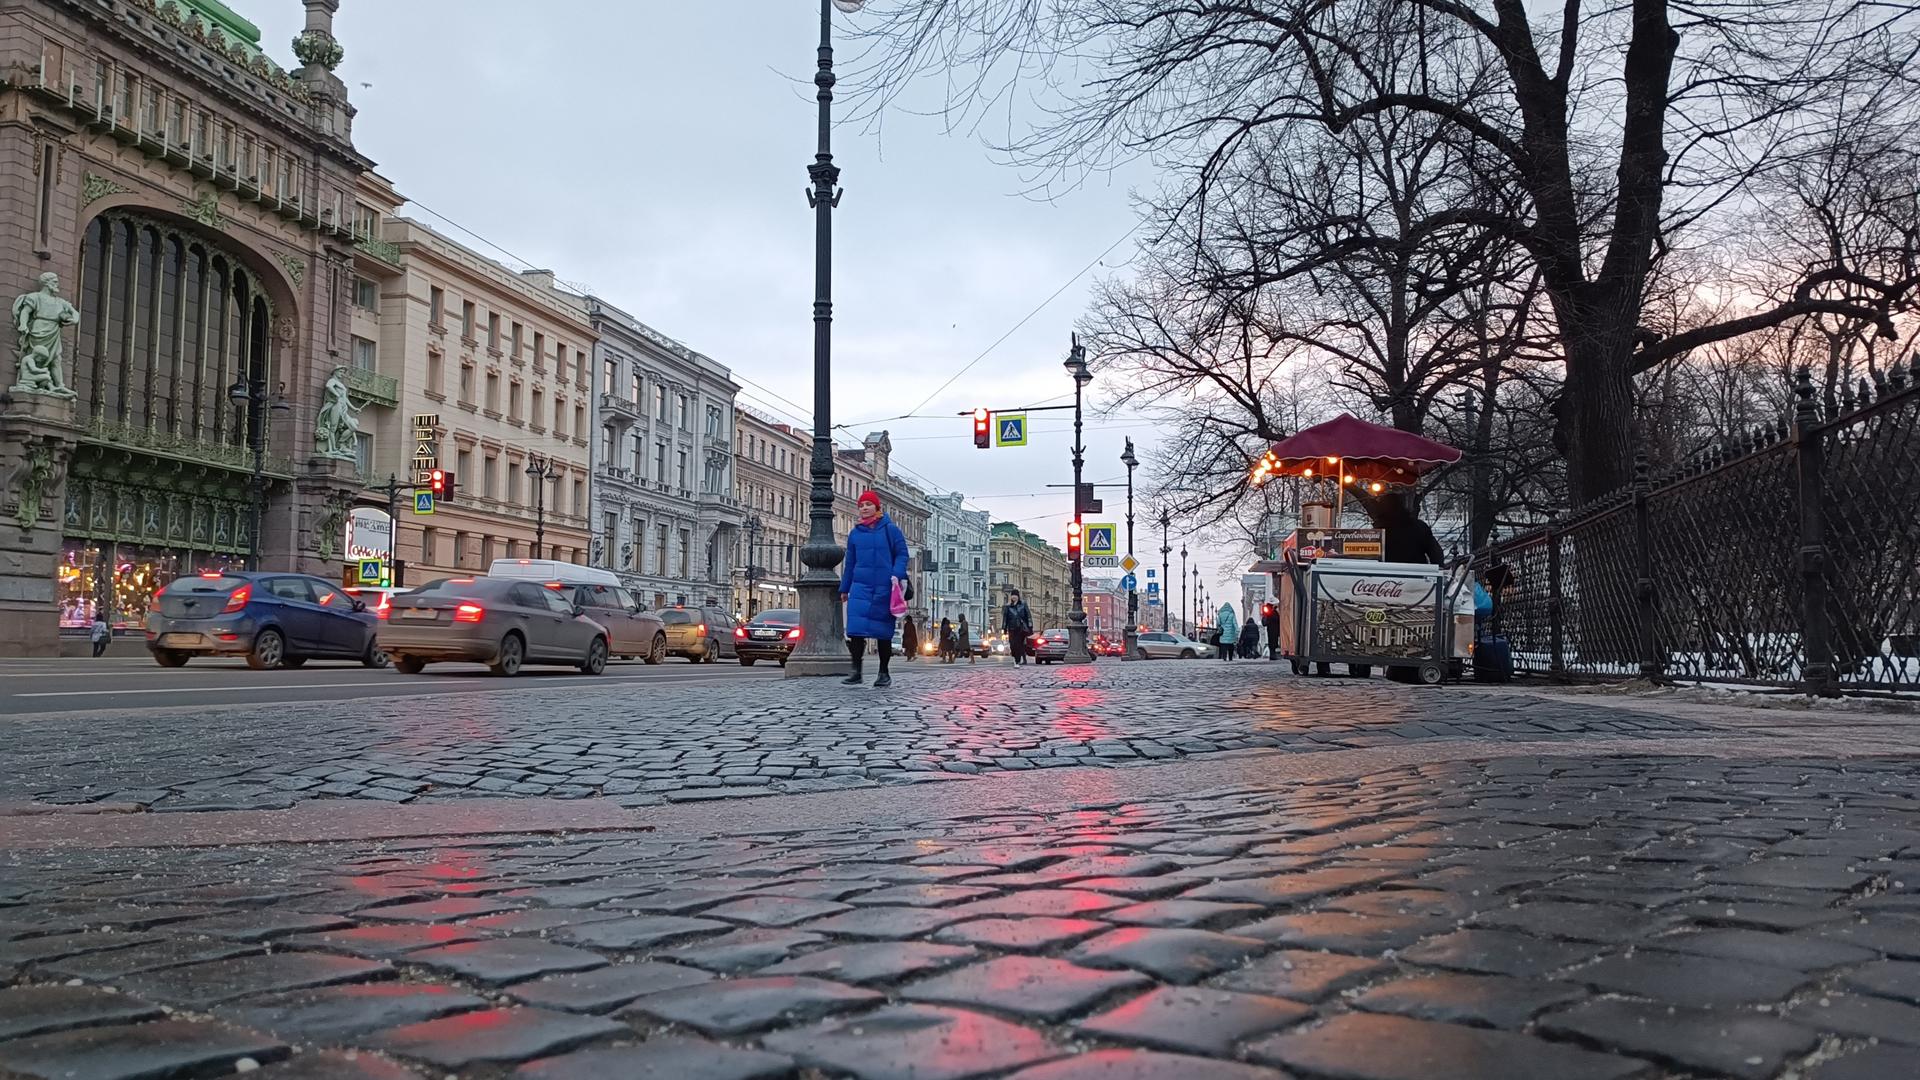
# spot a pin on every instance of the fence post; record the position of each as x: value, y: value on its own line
x: 1650, y: 661
x: 1556, y: 610
x: 1809, y: 454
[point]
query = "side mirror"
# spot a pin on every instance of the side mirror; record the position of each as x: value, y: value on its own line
x: 579, y: 610
x: 359, y: 605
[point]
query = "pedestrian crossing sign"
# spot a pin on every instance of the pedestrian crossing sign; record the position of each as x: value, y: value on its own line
x: 371, y: 571
x: 423, y: 502
x: 1102, y: 539
x: 1010, y: 429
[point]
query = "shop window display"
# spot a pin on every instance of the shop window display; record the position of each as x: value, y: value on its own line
x: 125, y: 576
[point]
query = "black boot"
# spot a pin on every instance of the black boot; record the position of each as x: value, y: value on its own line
x: 886, y: 655
x: 856, y: 648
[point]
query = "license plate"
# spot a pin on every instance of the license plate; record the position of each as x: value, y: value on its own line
x: 767, y: 635
x: 420, y: 614
x: 174, y: 641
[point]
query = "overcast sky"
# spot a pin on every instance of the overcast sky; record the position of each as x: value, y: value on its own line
x: 656, y: 151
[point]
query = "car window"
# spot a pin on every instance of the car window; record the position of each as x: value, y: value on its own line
x: 291, y: 588
x: 447, y: 586
x: 779, y: 616
x: 679, y: 617
x: 720, y: 618
x: 329, y: 597
x: 206, y: 585
x: 624, y: 600
x: 562, y: 605
x: 528, y: 596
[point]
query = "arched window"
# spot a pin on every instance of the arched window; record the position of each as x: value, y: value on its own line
x: 168, y: 321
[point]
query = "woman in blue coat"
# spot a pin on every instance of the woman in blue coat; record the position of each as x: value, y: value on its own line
x: 876, y: 559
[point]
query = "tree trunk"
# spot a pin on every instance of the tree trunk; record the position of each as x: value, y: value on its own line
x: 1596, y: 404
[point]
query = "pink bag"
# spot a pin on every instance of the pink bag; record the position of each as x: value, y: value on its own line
x: 898, y: 602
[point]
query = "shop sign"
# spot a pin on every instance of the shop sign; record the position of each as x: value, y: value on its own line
x: 1372, y: 590
x: 369, y: 534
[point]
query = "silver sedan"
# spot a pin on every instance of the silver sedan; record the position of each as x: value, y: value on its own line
x: 1160, y: 645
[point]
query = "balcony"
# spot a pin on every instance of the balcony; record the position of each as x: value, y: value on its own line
x: 616, y: 406
x: 370, y: 386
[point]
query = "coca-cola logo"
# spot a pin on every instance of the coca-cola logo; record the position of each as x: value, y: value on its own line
x: 1386, y: 590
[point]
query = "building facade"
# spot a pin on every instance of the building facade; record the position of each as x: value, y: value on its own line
x: 955, y: 579
x: 1020, y: 560
x: 182, y: 226
x: 494, y: 379
x: 870, y: 467
x: 665, y: 514
x: 770, y: 481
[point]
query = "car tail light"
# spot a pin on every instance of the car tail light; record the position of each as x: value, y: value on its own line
x: 469, y: 613
x: 212, y: 575
x: 238, y: 600
x: 702, y: 628
x: 793, y: 634
x: 740, y: 632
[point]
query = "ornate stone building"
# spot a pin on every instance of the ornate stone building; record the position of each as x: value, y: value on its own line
x: 494, y: 376
x: 870, y: 465
x: 955, y: 580
x: 199, y: 206
x: 664, y: 511
x: 772, y: 485
x: 1020, y: 560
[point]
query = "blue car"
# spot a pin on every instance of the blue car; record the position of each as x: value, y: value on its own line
x: 275, y: 620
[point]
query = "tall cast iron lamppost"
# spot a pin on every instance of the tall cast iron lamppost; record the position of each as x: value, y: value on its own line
x: 1077, y: 653
x: 1186, y: 609
x: 822, y: 618
x: 753, y: 567
x: 539, y: 470
x: 253, y: 397
x: 1166, y: 549
x: 1130, y: 637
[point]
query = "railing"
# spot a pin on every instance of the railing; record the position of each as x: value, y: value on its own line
x: 1789, y: 558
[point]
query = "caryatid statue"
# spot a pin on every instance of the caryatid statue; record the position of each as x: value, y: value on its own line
x: 40, y: 318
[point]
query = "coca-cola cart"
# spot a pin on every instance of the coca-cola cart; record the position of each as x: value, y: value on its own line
x: 1400, y: 616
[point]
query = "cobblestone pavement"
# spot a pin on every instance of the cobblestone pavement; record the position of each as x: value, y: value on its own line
x: 1568, y: 918
x: 682, y: 743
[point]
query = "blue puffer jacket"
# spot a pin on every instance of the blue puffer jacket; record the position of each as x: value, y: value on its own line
x: 1229, y: 625
x: 876, y: 554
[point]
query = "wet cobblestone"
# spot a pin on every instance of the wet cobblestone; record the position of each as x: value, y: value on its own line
x: 1564, y: 917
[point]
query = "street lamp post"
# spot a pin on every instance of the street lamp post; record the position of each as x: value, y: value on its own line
x: 252, y: 396
x: 822, y: 619
x: 1130, y: 637
x: 1166, y: 549
x: 1186, y: 609
x: 1077, y: 653
x: 753, y: 570
x: 540, y: 470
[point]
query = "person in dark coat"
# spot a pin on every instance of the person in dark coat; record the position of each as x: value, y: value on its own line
x: 963, y: 637
x: 910, y: 638
x: 1017, y: 620
x: 1408, y: 539
x: 946, y: 641
x: 1270, y: 619
x: 876, y: 562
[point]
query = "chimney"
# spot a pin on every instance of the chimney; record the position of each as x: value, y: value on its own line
x: 540, y: 278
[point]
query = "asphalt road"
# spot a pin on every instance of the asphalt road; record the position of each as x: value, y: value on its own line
x: 78, y: 684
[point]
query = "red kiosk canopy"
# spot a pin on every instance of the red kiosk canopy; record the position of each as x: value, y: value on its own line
x: 1347, y: 446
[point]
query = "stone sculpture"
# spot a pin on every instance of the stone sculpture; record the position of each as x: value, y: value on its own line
x: 336, y: 433
x: 39, y: 319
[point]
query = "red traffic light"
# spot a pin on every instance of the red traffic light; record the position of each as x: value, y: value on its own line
x: 1073, y: 538
x: 982, y: 428
x: 441, y: 483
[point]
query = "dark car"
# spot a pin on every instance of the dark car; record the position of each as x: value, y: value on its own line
x: 770, y: 635
x: 635, y: 630
x: 1051, y: 647
x: 501, y: 622
x: 274, y: 620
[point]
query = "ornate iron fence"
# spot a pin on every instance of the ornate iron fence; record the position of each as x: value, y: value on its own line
x: 1789, y: 558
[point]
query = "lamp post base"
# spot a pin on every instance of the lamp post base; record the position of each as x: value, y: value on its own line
x: 824, y: 651
x: 1077, y: 652
x: 1130, y: 644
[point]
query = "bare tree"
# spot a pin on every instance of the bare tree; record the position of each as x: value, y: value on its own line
x: 1608, y: 135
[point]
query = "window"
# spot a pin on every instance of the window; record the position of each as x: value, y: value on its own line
x: 660, y: 402
x: 686, y: 553
x: 437, y: 308
x: 560, y: 418
x: 609, y: 375
x: 580, y: 366
x: 660, y: 552
x: 609, y: 536
x: 517, y: 328
x: 493, y: 392
x: 436, y: 373
x: 976, y: 564
x: 459, y: 550
x: 428, y: 542
x: 579, y: 418
x: 579, y: 508
x: 366, y: 221
x: 537, y: 408
x: 683, y: 468
x: 539, y: 351
x: 493, y: 330
x: 467, y: 312
x: 639, y: 454
x: 513, y: 484
x: 465, y: 461
x: 363, y: 453
x: 366, y: 293
x: 660, y: 460
x: 560, y: 361
x: 490, y: 479
x: 363, y: 354
x: 513, y: 399
x: 466, y: 384
x: 606, y: 444
x: 634, y: 388
x: 686, y: 414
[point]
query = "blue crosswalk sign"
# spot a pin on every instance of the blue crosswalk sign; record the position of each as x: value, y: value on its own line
x: 423, y: 502
x: 1153, y: 588
x: 1102, y: 539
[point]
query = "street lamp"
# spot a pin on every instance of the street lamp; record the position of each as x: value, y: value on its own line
x: 1076, y: 365
x: 822, y: 618
x: 753, y: 571
x: 252, y: 396
x: 1130, y: 637
x: 541, y: 470
x: 1186, y: 609
x: 1166, y: 549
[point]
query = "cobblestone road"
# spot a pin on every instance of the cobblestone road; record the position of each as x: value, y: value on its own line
x: 672, y: 743
x: 1567, y: 918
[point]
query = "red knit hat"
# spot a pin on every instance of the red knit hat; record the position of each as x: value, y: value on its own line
x: 870, y: 497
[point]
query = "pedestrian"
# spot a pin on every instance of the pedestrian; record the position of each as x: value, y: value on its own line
x: 965, y: 639
x: 1270, y: 619
x: 946, y: 640
x: 102, y: 634
x: 1249, y: 641
x: 870, y: 586
x: 1017, y: 620
x: 910, y: 639
x: 1229, y: 631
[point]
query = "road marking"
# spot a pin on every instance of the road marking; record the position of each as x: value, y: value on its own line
x: 436, y: 685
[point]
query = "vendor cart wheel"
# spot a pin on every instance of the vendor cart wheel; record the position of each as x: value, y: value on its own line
x: 1300, y: 668
x: 1360, y: 671
x: 1323, y: 669
x: 1431, y: 673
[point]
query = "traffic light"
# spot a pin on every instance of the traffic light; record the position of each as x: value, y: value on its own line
x: 442, y: 484
x: 982, y: 428
x: 1073, y: 539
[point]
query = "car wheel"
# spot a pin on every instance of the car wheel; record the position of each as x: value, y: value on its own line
x: 513, y: 652
x: 170, y: 657
x: 409, y: 665
x: 374, y: 657
x: 746, y: 661
x: 658, y: 654
x: 293, y: 662
x: 269, y: 651
x: 1140, y: 654
x: 596, y: 661
x: 713, y: 652
x: 1186, y: 654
